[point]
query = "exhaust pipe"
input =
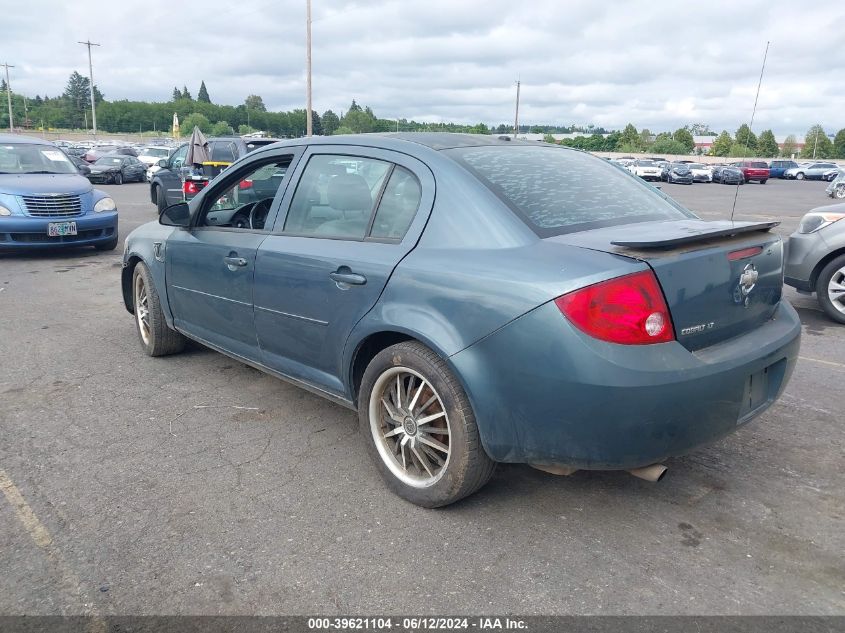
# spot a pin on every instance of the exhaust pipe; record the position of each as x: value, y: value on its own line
x: 554, y: 469
x: 654, y: 473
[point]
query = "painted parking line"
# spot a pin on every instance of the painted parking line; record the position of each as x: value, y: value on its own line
x: 40, y: 535
x: 823, y: 362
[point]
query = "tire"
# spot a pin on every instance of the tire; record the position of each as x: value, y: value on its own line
x: 161, y: 200
x: 107, y: 246
x: 425, y: 376
x: 763, y: 182
x: 155, y: 336
x: 799, y: 175
x: 834, y: 272
x: 118, y: 178
x: 839, y: 192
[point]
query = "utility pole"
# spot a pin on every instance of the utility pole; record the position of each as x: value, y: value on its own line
x: 91, y: 86
x: 516, y: 114
x: 815, y: 141
x: 9, y: 97
x: 308, y: 122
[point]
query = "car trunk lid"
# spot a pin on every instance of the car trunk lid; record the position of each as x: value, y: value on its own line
x: 720, y: 279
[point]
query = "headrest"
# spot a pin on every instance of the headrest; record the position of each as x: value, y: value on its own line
x: 349, y: 192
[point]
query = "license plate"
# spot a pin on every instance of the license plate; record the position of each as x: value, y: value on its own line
x: 59, y: 229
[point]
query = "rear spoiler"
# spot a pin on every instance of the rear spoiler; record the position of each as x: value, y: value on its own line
x: 696, y: 231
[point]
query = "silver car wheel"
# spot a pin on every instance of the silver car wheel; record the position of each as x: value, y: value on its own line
x: 142, y: 309
x: 836, y: 290
x: 410, y: 427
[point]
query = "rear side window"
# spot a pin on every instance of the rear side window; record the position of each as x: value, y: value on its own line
x: 223, y: 152
x: 556, y: 191
x: 398, y: 205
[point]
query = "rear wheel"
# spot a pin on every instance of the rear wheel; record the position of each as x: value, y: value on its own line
x: 830, y: 289
x: 419, y: 427
x: 156, y: 337
x: 763, y: 182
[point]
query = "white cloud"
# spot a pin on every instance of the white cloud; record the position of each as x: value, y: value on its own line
x: 655, y: 64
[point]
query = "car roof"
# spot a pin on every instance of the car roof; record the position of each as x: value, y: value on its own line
x: 23, y: 140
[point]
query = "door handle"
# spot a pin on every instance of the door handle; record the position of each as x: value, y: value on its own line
x: 235, y: 262
x: 345, y: 276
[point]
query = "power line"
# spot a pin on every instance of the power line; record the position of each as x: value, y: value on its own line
x: 9, y: 96
x: 91, y: 86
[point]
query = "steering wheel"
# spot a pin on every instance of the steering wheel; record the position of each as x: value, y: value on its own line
x: 241, y: 220
x: 258, y: 213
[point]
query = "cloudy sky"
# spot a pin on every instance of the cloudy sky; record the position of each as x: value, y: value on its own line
x: 659, y: 64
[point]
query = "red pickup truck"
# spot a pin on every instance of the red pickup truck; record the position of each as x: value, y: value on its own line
x: 754, y: 170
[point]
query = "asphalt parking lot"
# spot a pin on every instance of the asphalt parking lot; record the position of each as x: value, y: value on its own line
x: 196, y: 485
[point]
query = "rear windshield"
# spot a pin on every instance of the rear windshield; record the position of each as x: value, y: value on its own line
x: 556, y: 191
x: 758, y: 165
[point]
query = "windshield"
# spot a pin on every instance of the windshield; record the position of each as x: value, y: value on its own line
x: 646, y: 163
x: 695, y: 166
x: 109, y: 160
x: 155, y: 151
x: 26, y: 158
x: 556, y: 191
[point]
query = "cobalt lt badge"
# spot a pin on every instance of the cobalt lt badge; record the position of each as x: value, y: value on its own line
x: 747, y: 281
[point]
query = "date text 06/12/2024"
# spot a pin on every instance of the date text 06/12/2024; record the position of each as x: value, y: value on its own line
x: 415, y: 624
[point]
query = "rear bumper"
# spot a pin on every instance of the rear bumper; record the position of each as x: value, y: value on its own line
x: 26, y: 233
x: 570, y: 399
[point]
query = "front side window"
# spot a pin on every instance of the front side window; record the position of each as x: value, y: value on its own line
x: 336, y: 195
x: 555, y: 190
x: 179, y: 157
x: 246, y: 203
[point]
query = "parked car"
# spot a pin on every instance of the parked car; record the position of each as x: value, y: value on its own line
x: 45, y: 203
x: 677, y: 173
x: 830, y: 175
x: 816, y: 258
x: 754, y: 170
x: 476, y: 301
x: 150, y: 155
x: 81, y: 166
x: 700, y: 172
x: 645, y: 169
x: 777, y: 168
x: 93, y: 154
x: 168, y: 185
x: 117, y: 169
x: 810, y: 171
x: 836, y: 188
x: 728, y: 175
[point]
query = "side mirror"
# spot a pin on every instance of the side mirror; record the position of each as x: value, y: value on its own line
x: 162, y: 163
x: 178, y: 214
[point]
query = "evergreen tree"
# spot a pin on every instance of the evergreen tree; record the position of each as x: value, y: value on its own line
x: 745, y: 137
x: 186, y: 94
x: 330, y: 122
x: 202, y: 95
x: 176, y: 95
x: 722, y: 144
x: 767, y: 146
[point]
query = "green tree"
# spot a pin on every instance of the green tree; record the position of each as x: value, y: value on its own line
x: 684, y: 137
x: 221, y: 128
x: 666, y: 145
x: 176, y: 94
x: 330, y: 122
x: 722, y: 144
x: 245, y: 129
x: 739, y: 150
x: 790, y: 146
x: 186, y: 94
x: 839, y: 144
x: 358, y: 120
x: 767, y: 146
x: 354, y: 107
x: 548, y: 138
x: 344, y: 130
x: 195, y: 119
x: 630, y: 138
x: 202, y: 95
x: 628, y: 148
x: 817, y: 144
x: 744, y: 136
x: 77, y: 99
x: 255, y: 102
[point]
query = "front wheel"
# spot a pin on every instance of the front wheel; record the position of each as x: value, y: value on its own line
x: 420, y: 428
x: 156, y: 337
x: 161, y: 200
x: 830, y: 289
x: 799, y: 176
x: 839, y: 192
x: 118, y: 178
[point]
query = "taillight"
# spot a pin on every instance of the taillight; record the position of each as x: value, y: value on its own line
x: 189, y: 186
x: 245, y: 184
x: 629, y: 310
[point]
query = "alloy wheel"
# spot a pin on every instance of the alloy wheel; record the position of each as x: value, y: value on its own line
x: 142, y: 309
x: 410, y: 427
x: 836, y: 290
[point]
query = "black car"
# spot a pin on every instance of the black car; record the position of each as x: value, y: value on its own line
x: 117, y: 169
x: 168, y: 185
x: 94, y: 154
x: 728, y: 175
x: 677, y: 173
x: 81, y: 166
